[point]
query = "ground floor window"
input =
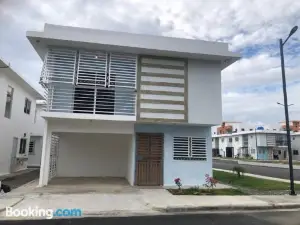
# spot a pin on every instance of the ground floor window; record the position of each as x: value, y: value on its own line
x: 31, y: 147
x: 295, y: 152
x: 22, y: 148
x: 189, y: 148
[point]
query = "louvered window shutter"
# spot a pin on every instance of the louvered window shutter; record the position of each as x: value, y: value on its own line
x: 122, y: 70
x: 59, y: 66
x: 92, y: 68
x: 181, y: 147
x: 198, y: 147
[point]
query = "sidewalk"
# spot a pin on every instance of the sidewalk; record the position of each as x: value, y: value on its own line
x: 146, y: 202
x: 260, y: 176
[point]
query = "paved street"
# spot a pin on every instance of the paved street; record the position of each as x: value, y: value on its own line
x: 259, y: 170
x: 258, y: 218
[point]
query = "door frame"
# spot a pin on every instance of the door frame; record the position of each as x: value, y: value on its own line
x: 136, y: 156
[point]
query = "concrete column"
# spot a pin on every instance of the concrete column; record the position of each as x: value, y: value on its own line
x: 45, y: 159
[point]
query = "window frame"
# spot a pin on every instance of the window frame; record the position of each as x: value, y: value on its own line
x: 236, y: 139
x: 31, y: 146
x: 22, y: 146
x: 27, y: 106
x: 193, y: 149
x: 8, y: 111
x: 295, y: 151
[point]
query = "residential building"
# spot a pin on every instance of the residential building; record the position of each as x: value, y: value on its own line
x: 36, y: 138
x: 294, y: 125
x: 17, y: 118
x: 258, y: 143
x: 296, y: 146
x: 129, y: 105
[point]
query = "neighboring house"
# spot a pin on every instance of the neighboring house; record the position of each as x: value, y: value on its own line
x: 294, y: 125
x: 129, y: 105
x: 36, y: 138
x: 258, y: 143
x: 296, y: 145
x: 17, y: 116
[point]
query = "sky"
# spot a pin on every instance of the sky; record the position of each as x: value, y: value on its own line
x: 250, y: 87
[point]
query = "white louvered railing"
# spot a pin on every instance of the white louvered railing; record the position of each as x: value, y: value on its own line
x: 74, y: 99
x: 94, y: 82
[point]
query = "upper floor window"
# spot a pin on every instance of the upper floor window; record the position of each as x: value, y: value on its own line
x: 27, y: 106
x: 230, y: 139
x: 236, y: 138
x: 92, y: 68
x: 22, y: 148
x: 9, y: 100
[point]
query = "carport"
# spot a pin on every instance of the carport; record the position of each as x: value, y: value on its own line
x: 91, y: 152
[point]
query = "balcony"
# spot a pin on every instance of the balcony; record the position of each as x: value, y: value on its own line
x: 93, y: 83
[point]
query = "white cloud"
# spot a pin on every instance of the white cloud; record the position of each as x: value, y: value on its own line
x: 241, y: 23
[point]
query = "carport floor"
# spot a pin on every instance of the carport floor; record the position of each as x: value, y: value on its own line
x: 71, y: 185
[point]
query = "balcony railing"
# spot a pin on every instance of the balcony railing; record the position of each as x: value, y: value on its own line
x: 91, y: 100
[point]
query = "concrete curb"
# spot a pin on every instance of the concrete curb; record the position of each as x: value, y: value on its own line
x: 12, y: 205
x: 226, y: 208
x: 273, y: 165
x: 260, y: 176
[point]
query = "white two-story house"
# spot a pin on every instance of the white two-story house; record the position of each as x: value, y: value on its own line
x: 129, y: 105
x: 18, y: 119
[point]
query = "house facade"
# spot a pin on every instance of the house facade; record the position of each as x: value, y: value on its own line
x: 17, y: 120
x: 127, y: 105
x: 296, y: 145
x: 258, y: 144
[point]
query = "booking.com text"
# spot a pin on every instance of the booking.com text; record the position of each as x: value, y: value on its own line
x: 45, y: 213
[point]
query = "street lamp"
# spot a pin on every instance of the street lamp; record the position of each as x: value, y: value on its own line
x: 286, y: 111
x: 283, y: 104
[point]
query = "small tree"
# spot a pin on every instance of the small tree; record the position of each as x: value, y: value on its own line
x: 238, y: 170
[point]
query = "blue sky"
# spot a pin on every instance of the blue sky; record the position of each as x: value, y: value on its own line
x: 251, y: 87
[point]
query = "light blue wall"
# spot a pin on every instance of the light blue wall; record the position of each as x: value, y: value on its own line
x: 190, y: 172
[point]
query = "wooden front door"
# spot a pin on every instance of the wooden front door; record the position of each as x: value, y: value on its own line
x: 149, y: 159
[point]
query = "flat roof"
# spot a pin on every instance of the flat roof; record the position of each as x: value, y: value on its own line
x: 8, y: 71
x: 251, y: 132
x: 75, y: 37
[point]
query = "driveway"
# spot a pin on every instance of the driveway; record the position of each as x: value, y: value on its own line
x: 20, y: 178
x: 282, y: 173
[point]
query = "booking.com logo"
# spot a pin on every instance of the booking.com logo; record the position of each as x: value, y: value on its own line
x: 47, y: 213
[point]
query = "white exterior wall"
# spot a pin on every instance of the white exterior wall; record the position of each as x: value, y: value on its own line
x: 261, y: 139
x: 237, y: 144
x: 296, y: 146
x: 223, y: 145
x: 92, y: 155
x: 131, y: 161
x: 252, y: 145
x: 191, y: 172
x: 18, y: 125
x: 204, y: 92
x: 34, y: 159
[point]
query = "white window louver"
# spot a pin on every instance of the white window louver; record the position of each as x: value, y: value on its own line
x: 59, y: 66
x: 198, y: 147
x: 122, y: 70
x: 181, y: 147
x: 92, y: 68
x: 189, y: 148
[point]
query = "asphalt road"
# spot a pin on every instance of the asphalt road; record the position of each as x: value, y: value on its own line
x: 259, y: 170
x: 258, y: 218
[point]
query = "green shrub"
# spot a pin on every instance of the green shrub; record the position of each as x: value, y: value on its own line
x: 238, y: 170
